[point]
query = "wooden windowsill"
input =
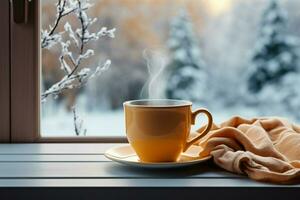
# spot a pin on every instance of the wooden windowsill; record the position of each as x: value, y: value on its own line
x: 85, y: 166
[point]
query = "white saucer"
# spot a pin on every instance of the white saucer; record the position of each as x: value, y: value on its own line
x: 126, y: 155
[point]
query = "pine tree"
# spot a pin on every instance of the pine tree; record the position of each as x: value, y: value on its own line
x: 275, y: 52
x: 186, y: 77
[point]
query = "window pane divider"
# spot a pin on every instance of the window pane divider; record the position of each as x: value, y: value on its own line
x: 25, y: 77
x: 4, y: 72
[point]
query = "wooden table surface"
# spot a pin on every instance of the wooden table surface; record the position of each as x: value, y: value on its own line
x: 84, y: 165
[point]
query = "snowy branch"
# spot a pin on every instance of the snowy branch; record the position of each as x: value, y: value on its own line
x: 75, y: 75
x: 69, y: 62
x: 49, y: 37
x: 72, y: 81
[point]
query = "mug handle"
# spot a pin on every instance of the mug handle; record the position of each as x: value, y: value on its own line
x: 204, y: 132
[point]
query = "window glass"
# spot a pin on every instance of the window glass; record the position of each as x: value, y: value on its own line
x: 234, y: 57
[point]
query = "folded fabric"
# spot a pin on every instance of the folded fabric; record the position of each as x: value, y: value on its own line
x: 265, y: 149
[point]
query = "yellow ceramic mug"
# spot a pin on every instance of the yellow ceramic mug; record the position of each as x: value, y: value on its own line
x: 158, y: 129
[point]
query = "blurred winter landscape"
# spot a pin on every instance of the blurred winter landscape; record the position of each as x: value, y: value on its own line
x: 234, y: 57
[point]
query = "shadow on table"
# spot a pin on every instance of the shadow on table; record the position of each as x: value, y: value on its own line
x: 203, y: 170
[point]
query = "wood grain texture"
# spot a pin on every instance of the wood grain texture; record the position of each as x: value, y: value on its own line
x: 136, y: 182
x: 24, y: 77
x: 54, y: 149
x: 54, y: 158
x: 4, y: 72
x: 100, y: 170
x: 83, y: 165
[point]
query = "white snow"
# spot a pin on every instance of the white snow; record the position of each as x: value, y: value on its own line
x: 97, y: 124
x: 112, y: 123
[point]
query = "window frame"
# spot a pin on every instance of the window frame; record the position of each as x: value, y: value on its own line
x: 25, y: 54
x: 4, y: 72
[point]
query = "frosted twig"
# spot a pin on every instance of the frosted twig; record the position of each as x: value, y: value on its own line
x: 75, y: 78
x: 74, y: 81
x: 49, y: 37
x: 78, y: 123
x: 75, y: 75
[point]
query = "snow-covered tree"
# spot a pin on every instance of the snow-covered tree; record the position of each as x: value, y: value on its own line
x: 275, y: 52
x: 275, y: 75
x: 281, y: 99
x: 186, y: 69
x: 76, y: 74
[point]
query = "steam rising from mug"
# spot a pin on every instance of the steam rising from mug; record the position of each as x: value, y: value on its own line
x: 154, y: 86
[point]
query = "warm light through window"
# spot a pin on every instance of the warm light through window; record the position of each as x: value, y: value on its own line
x: 218, y: 7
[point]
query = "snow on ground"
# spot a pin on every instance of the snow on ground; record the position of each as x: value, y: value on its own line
x: 112, y: 123
x: 97, y: 124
